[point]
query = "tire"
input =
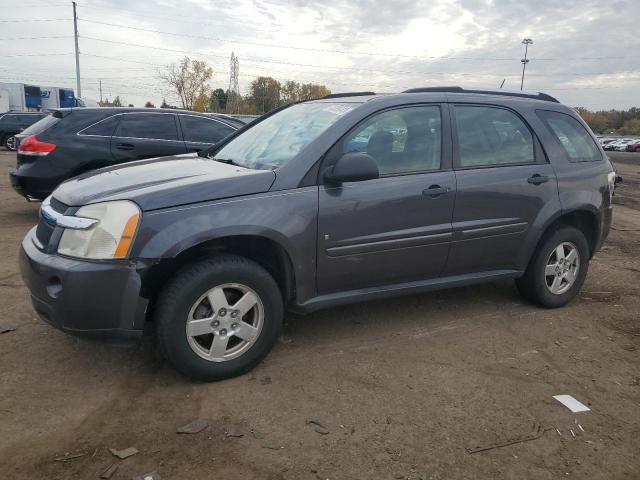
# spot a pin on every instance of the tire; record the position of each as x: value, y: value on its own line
x: 186, y: 296
x: 10, y: 142
x: 536, y: 285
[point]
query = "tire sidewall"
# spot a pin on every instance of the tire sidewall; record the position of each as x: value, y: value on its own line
x: 563, y: 234
x: 187, y: 289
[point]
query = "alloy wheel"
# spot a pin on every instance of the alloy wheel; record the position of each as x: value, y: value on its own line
x: 562, y: 268
x: 225, y: 322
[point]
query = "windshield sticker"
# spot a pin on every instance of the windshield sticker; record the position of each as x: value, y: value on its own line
x: 338, y: 108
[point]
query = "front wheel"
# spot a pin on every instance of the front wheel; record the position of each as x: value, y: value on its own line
x: 557, y: 269
x: 219, y: 318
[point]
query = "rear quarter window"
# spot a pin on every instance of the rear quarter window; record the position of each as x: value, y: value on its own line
x: 103, y: 128
x: 574, y: 139
x: 41, y: 125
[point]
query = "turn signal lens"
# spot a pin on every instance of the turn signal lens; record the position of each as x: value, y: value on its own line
x: 128, y: 234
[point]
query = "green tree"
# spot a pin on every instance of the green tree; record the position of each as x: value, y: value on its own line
x: 265, y: 94
x: 218, y: 100
x: 149, y: 105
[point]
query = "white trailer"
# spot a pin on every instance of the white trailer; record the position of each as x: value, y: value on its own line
x: 22, y: 98
x: 5, y: 105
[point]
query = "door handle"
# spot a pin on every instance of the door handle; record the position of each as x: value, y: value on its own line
x: 434, y: 191
x: 125, y: 146
x: 537, y: 179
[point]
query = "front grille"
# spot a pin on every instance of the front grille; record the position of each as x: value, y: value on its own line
x: 44, y: 232
x: 45, y: 229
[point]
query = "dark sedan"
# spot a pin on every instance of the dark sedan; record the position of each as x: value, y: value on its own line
x: 73, y: 141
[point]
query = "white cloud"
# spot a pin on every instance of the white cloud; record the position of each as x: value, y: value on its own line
x: 585, y: 52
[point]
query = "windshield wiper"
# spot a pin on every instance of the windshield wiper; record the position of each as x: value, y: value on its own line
x: 224, y: 160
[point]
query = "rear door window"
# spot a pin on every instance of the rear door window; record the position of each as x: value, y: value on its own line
x: 157, y: 126
x: 492, y: 136
x: 103, y: 128
x: 572, y: 136
x: 203, y: 130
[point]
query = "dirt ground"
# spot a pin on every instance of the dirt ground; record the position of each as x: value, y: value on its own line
x: 401, y: 387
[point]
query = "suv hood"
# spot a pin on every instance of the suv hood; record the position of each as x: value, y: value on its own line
x: 164, y: 182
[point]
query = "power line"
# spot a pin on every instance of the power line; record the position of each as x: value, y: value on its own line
x: 195, y: 20
x: 25, y: 20
x: 6, y: 39
x: 271, y: 45
x: 35, y: 54
x: 358, y: 69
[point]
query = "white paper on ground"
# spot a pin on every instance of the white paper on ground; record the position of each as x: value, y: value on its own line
x: 571, y: 403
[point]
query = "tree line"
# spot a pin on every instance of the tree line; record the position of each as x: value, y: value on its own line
x: 189, y: 80
x: 618, y: 122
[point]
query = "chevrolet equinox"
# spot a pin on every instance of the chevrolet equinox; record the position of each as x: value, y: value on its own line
x: 342, y: 199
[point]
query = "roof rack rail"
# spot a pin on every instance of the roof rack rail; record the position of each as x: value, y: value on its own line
x: 348, y: 94
x: 505, y: 93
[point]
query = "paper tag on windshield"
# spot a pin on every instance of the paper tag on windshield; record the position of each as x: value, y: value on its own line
x: 338, y: 108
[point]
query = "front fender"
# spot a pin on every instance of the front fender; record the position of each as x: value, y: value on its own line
x: 288, y: 218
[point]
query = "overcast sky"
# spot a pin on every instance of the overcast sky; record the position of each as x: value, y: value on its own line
x: 585, y: 52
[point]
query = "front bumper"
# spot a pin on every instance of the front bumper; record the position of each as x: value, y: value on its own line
x: 99, y: 299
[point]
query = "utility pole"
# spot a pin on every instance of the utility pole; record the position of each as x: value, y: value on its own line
x: 526, y: 42
x: 75, y: 34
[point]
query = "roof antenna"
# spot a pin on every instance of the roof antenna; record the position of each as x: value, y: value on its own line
x: 503, y: 80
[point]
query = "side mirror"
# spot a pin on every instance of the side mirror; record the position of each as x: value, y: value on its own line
x: 352, y: 167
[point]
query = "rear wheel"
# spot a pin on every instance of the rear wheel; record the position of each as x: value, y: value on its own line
x: 10, y: 142
x: 557, y: 269
x: 219, y: 318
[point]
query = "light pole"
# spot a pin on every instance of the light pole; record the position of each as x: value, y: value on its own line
x: 526, y: 42
x: 75, y: 35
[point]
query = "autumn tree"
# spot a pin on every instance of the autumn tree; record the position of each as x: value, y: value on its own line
x: 295, y: 92
x: 189, y: 80
x: 265, y: 93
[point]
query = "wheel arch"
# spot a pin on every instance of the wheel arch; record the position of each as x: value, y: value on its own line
x: 265, y: 251
x: 584, y: 219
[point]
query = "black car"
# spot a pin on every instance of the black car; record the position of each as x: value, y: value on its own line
x: 73, y: 141
x: 12, y: 123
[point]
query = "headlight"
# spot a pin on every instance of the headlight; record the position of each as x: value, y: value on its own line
x: 111, y: 237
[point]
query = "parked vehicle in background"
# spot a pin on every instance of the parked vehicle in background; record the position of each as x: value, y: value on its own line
x: 21, y: 97
x: 633, y: 146
x: 12, y: 123
x: 621, y: 146
x: 612, y: 145
x: 56, y: 97
x: 454, y: 187
x: 73, y: 141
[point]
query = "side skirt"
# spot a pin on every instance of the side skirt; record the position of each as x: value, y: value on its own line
x: 375, y: 293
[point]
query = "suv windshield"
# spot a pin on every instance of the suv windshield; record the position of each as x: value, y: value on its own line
x: 274, y: 141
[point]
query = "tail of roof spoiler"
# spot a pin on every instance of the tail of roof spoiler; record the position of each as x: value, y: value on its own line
x: 61, y: 112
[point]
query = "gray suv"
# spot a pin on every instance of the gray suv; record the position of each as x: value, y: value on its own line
x: 343, y: 199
